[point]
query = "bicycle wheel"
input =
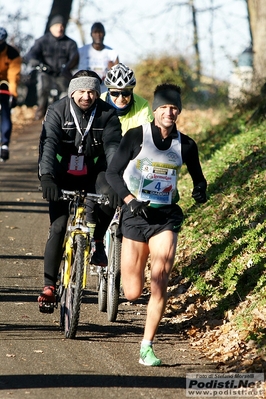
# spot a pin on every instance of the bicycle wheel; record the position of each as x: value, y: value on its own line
x: 102, y: 291
x: 113, y: 282
x: 74, y: 290
x: 62, y: 298
x: 102, y: 282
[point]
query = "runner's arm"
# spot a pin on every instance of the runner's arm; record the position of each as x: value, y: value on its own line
x: 190, y: 157
x: 127, y: 150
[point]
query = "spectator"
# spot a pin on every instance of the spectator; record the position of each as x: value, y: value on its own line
x: 10, y: 68
x: 97, y: 56
x: 144, y: 173
x: 53, y: 53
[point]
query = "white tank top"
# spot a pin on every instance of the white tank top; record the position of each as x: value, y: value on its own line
x: 153, y: 174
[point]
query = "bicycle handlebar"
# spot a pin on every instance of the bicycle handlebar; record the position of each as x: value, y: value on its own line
x: 99, y: 198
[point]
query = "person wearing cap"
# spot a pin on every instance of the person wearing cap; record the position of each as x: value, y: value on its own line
x: 97, y: 56
x: 53, y: 54
x: 144, y: 172
x: 10, y: 68
x: 79, y: 137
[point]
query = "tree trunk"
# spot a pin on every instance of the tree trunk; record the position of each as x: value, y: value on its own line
x: 257, y: 17
x: 196, y: 39
x: 59, y: 7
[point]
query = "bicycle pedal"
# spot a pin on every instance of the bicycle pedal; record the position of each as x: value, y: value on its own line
x: 46, y: 307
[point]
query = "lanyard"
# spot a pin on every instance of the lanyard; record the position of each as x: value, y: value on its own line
x: 83, y: 135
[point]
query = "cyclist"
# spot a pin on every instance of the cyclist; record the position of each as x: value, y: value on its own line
x: 97, y: 56
x: 80, y: 135
x: 144, y: 173
x: 10, y: 67
x: 55, y: 52
x: 131, y: 109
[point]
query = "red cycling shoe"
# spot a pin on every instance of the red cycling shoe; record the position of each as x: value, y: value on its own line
x: 47, y: 300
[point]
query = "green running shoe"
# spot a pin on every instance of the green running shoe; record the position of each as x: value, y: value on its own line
x: 147, y: 357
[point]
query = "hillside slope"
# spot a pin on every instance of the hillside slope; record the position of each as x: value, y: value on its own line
x: 218, y: 288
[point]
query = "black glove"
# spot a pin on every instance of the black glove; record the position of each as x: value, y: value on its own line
x: 50, y: 189
x: 138, y: 207
x: 114, y: 200
x: 199, y: 194
x: 102, y: 187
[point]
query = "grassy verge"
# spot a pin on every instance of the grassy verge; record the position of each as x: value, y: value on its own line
x: 222, y: 249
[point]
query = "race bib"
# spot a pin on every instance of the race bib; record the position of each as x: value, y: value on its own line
x: 76, y: 165
x: 157, y: 185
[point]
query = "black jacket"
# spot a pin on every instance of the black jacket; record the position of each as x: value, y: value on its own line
x: 60, y: 139
x: 57, y: 53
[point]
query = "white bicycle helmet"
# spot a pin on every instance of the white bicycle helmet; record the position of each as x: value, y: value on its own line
x: 120, y: 76
x: 3, y: 34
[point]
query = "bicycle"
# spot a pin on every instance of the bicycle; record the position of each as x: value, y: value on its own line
x: 109, y: 277
x: 77, y: 249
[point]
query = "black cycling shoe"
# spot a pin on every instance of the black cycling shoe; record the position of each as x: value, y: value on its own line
x: 99, y: 256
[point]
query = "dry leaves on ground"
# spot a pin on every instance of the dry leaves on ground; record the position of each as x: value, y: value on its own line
x: 220, y: 340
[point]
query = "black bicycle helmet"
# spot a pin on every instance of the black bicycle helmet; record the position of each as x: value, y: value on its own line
x: 120, y: 76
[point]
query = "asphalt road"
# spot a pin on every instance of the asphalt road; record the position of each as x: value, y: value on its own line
x: 36, y: 361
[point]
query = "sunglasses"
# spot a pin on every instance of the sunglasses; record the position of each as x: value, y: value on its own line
x: 123, y: 93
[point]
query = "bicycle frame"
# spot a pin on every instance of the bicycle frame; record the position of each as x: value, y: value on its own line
x: 77, y: 245
x: 109, y: 278
x: 76, y: 227
x: 114, y: 222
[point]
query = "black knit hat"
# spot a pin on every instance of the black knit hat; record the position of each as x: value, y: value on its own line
x: 167, y: 94
x: 57, y: 19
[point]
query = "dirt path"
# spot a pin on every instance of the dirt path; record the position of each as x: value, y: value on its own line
x: 35, y: 359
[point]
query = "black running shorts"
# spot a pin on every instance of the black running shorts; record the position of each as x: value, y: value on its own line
x: 140, y: 228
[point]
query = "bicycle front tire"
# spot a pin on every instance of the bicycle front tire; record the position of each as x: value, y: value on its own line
x: 74, y: 290
x: 102, y: 292
x: 113, y: 281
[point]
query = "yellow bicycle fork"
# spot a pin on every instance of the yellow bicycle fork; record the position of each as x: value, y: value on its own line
x: 77, y: 229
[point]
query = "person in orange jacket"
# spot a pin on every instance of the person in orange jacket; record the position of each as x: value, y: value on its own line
x: 10, y: 67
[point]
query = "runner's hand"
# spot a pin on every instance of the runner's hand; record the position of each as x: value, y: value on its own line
x: 138, y: 207
x: 50, y: 190
x: 199, y: 194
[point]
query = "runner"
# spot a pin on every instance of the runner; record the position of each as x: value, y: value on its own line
x: 144, y: 172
